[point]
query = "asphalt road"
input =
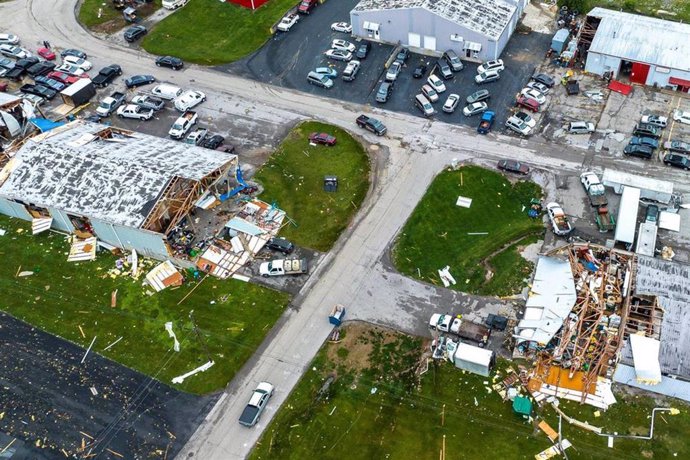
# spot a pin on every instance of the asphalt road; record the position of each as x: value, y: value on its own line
x: 408, y: 158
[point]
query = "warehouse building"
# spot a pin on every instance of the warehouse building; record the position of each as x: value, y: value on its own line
x: 474, y: 29
x: 646, y: 50
x: 127, y: 189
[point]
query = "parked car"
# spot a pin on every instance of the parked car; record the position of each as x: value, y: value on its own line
x: 106, y: 75
x: 50, y: 83
x: 642, y: 151
x: 287, y: 22
x: 71, y: 69
x: 517, y: 125
x: 641, y: 140
x: 384, y: 92
x: 682, y: 116
x: 655, y: 120
x: 474, y: 109
x: 280, y: 245
x: 350, y: 72
x: 306, y: 6
x: 322, y: 138
x: 403, y: 55
x: 436, y: 83
x: 580, y: 127
x: 14, y: 51
x: 444, y: 69
x: 430, y: 93
x: 544, y: 79
x: 146, y: 101
x: 526, y: 119
x: 513, y: 166
x: 451, y: 103
x: 344, y: 27
x: 38, y: 90
x: 134, y: 33
x: 73, y: 52
x: 78, y: 62
x: 188, y: 100
x: 533, y: 94
x: 9, y: 39
x: 170, y: 62
x: 343, y: 45
x: 363, y: 50
x: 338, y: 55
x: 40, y: 68
x: 46, y: 53
x: 677, y: 160
x: 196, y: 137
x: 677, y: 146
x: 496, y: 65
x: 139, y: 80
x: 330, y: 72
x: 63, y: 77
x: 393, y: 71
x: 527, y: 103
x: 487, y: 77
x: 213, y: 142
x: 134, y: 111
x: 6, y: 64
x: 478, y: 96
x: 225, y: 148
x: 257, y: 403
x: 419, y: 71
x: 453, y: 60
x: 20, y: 68
x: 424, y: 105
x: 541, y: 87
x: 647, y: 130
x: 319, y: 79
x: 652, y: 213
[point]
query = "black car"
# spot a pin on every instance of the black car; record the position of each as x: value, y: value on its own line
x: 20, y: 67
x: 50, y: 83
x: 139, y: 80
x: 642, y: 140
x: 363, y: 50
x: 281, y: 245
x: 134, y: 33
x: 513, y: 166
x: 73, y: 52
x: 40, y: 68
x: 652, y: 214
x: 169, y: 61
x: 679, y: 161
x: 106, y: 75
x: 225, y: 148
x: 444, y: 69
x: 419, y: 71
x: 647, y: 130
x: 643, y: 151
x: 544, y: 79
x: 6, y: 64
x: 38, y: 90
x: 403, y: 54
x: 674, y: 145
x: 384, y: 92
x: 213, y: 142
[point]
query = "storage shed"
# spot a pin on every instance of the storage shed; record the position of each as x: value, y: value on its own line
x: 559, y: 40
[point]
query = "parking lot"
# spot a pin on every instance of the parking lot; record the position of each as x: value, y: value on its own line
x: 287, y: 59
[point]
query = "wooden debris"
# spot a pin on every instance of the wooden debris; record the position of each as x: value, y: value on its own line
x: 82, y: 332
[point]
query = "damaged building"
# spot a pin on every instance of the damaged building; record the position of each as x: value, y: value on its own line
x: 127, y: 189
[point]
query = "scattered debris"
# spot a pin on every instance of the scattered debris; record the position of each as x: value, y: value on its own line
x: 201, y: 368
x: 135, y: 263
x: 446, y: 277
x: 108, y: 347
x: 82, y: 249
x: 88, y: 350
x: 168, y: 327
x: 463, y: 202
x: 94, y: 391
x: 553, y: 451
x: 113, y: 299
x: 163, y: 276
x: 24, y: 274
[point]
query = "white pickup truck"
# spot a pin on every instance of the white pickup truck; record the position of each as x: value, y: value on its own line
x: 280, y: 267
x: 183, y: 124
x: 174, y: 4
x: 134, y: 111
x: 287, y: 22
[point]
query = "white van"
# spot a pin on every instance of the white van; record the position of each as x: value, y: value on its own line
x: 167, y: 92
x: 424, y: 105
x: 174, y: 4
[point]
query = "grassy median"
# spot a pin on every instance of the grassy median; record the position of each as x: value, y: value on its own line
x: 65, y: 298
x: 293, y: 178
x: 440, y: 233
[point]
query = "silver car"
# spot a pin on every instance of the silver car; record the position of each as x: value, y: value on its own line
x: 393, y: 71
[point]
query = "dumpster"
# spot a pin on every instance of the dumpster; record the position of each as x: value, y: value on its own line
x: 336, y: 316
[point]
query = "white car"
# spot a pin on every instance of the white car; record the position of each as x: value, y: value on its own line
x: 9, y: 39
x: 526, y: 119
x: 541, y: 87
x: 287, y: 22
x: 188, y: 100
x: 343, y: 45
x: 496, y: 65
x: 487, y: 77
x: 430, y: 93
x: 338, y: 55
x: 517, y: 125
x: 474, y: 109
x: 134, y: 111
x: 14, y: 51
x: 451, y: 103
x: 78, y: 62
x: 341, y: 27
x: 682, y: 116
x: 436, y: 83
x: 70, y: 69
x: 393, y: 71
x: 655, y: 120
x: 533, y: 94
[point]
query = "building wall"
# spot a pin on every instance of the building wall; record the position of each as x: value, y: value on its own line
x: 61, y: 220
x: 600, y: 63
x: 146, y: 243
x: 13, y: 209
x: 661, y: 75
x: 396, y: 25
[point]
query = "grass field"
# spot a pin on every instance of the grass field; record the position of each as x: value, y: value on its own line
x: 210, y: 32
x: 674, y: 10
x: 376, y: 409
x: 60, y: 297
x: 439, y: 233
x: 509, y: 270
x: 111, y: 19
x: 293, y: 177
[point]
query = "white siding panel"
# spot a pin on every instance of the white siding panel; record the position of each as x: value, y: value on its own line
x: 414, y: 40
x: 430, y: 42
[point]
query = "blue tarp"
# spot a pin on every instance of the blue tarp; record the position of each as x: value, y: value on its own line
x: 45, y: 125
x: 236, y: 190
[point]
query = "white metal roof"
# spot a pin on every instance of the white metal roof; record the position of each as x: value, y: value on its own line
x: 643, y: 39
x: 627, y: 215
x: 668, y: 386
x: 645, y: 351
x: 612, y: 177
x: 116, y: 180
x: 487, y: 17
x: 646, y: 239
x: 473, y: 354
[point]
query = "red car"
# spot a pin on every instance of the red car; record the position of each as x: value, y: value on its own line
x: 46, y: 54
x: 63, y: 77
x: 322, y: 138
x: 527, y: 103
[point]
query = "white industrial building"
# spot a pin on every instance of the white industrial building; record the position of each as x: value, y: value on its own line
x: 647, y: 50
x: 474, y: 29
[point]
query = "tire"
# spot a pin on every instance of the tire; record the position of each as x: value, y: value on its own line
x: 158, y: 64
x: 265, y: 276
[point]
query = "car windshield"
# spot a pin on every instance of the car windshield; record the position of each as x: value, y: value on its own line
x: 104, y: 105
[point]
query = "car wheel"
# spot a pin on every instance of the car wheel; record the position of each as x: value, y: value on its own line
x: 158, y: 64
x: 265, y: 276
x: 105, y: 84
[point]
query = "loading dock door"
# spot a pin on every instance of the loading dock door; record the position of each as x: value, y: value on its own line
x: 430, y: 43
x: 414, y: 40
x: 639, y: 73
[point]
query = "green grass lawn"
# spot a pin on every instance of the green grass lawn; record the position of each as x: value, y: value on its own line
x: 438, y: 232
x: 674, y: 10
x: 232, y: 317
x: 111, y: 19
x: 509, y: 270
x: 211, y: 32
x: 376, y: 409
x: 293, y: 177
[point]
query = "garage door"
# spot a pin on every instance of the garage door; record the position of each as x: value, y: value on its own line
x: 414, y: 40
x: 430, y: 43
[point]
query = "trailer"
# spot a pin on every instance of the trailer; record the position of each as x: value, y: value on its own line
x: 470, y: 358
x: 627, y: 215
x: 78, y: 93
x: 650, y: 189
x: 646, y: 239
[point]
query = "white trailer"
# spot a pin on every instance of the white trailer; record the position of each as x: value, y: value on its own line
x: 650, y: 189
x: 470, y: 358
x: 627, y: 215
x: 646, y: 239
